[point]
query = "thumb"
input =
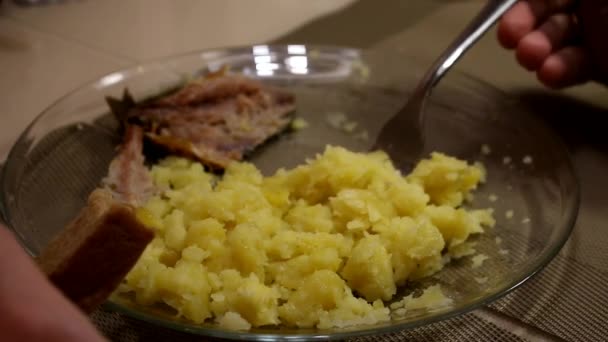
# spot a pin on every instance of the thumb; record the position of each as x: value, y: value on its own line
x: 31, y: 309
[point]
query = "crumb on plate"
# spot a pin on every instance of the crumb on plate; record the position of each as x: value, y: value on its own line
x: 478, y: 260
x: 349, y: 126
x: 233, y: 321
x: 363, y: 136
x: 485, y: 149
x: 299, y: 124
x: 336, y: 119
x: 432, y: 298
x: 481, y: 280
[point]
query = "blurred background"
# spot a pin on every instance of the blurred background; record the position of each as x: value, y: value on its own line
x: 48, y: 47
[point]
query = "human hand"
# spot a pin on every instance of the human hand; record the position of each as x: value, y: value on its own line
x: 562, y: 49
x: 31, y: 309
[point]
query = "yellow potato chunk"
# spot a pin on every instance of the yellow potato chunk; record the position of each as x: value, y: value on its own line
x: 456, y: 225
x: 410, y: 243
x: 357, y: 210
x: 310, y: 218
x: 445, y: 179
x: 186, y: 289
x: 321, y: 291
x: 292, y: 272
x: 369, y: 270
x: 247, y: 296
x: 248, y: 255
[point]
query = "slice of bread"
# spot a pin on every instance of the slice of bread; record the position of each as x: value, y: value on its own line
x: 89, y: 258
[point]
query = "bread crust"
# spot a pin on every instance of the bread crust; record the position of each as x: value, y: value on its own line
x: 89, y: 258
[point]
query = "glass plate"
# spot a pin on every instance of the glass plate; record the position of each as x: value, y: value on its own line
x: 64, y: 153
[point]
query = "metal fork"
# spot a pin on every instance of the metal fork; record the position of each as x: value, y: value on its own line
x: 403, y: 136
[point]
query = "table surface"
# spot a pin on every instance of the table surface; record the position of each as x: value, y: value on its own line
x: 47, y: 50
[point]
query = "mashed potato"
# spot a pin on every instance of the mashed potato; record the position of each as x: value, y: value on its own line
x: 322, y: 245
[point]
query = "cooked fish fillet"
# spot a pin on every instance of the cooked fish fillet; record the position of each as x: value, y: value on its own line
x: 128, y: 177
x: 216, y: 120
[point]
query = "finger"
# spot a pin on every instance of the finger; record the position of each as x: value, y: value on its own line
x: 524, y: 17
x: 552, y: 35
x: 566, y: 67
x: 515, y: 24
x: 26, y: 298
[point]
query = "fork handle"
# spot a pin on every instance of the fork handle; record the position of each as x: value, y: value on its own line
x: 487, y: 16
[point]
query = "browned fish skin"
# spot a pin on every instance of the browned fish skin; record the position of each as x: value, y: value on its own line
x: 216, y: 120
x: 210, y: 90
x: 128, y: 178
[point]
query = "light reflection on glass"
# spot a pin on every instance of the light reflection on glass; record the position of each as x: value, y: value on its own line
x: 265, y: 72
x: 215, y: 66
x: 261, y: 50
x: 262, y: 59
x: 111, y: 79
x: 297, y: 61
x: 296, y: 49
x: 297, y: 64
x: 299, y: 71
x: 267, y: 66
